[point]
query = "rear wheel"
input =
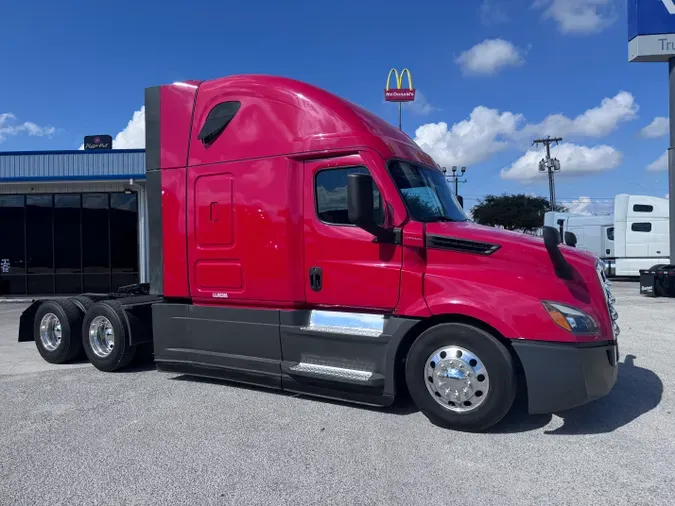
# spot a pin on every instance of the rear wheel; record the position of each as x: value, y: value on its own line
x: 105, y: 337
x: 56, y: 330
x: 461, y: 377
x: 83, y: 302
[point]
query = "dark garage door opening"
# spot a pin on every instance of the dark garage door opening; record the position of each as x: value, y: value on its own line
x: 68, y: 243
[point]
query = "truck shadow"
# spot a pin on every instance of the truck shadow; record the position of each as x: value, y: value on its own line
x: 636, y: 392
x: 403, y: 405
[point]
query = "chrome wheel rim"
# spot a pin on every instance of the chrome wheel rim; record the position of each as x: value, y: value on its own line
x: 101, y: 336
x: 50, y: 331
x: 457, y: 379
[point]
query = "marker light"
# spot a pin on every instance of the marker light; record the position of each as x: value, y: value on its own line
x: 571, y: 319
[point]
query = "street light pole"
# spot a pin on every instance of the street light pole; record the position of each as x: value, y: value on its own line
x: 456, y: 177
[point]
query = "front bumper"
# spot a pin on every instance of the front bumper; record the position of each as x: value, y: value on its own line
x: 561, y: 376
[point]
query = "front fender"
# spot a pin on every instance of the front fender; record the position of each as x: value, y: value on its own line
x: 512, y: 314
x: 469, y: 308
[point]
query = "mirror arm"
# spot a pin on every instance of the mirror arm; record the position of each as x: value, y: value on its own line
x: 387, y: 235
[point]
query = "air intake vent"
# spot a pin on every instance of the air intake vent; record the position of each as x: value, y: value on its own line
x: 461, y: 245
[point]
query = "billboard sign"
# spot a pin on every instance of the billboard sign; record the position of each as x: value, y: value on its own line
x: 651, y: 30
x: 94, y: 142
x: 399, y: 94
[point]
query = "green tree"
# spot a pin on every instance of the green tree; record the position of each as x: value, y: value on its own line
x: 513, y: 212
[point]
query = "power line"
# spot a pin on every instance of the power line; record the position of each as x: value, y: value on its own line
x: 549, y: 165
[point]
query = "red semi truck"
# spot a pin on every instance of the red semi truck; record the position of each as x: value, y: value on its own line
x: 299, y: 242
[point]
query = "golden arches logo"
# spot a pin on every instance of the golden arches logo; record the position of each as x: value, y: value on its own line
x: 399, y: 94
x: 399, y: 79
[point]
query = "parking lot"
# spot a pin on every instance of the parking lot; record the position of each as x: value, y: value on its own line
x: 72, y: 435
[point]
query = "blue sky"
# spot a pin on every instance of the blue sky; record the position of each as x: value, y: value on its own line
x: 75, y: 68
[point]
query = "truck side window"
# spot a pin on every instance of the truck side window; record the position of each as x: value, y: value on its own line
x: 217, y: 120
x: 641, y: 227
x: 642, y: 208
x: 610, y: 233
x: 330, y: 188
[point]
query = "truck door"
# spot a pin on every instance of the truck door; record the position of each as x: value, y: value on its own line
x: 607, y: 242
x: 343, y: 265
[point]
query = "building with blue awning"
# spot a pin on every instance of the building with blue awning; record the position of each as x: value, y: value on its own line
x: 72, y: 221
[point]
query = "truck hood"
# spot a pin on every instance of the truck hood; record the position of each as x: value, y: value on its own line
x: 502, y: 277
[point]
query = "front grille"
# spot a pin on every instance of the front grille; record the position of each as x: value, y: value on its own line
x: 609, y: 298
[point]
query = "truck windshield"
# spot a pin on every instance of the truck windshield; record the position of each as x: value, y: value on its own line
x: 426, y: 192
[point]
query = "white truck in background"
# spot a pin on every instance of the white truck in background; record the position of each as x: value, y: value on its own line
x: 633, y: 237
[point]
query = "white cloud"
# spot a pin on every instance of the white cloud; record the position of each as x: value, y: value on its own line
x: 491, y: 13
x: 574, y: 160
x: 579, y: 16
x: 488, y: 131
x: 470, y: 141
x: 420, y: 105
x: 588, y: 206
x: 661, y: 163
x: 489, y: 57
x: 9, y: 126
x: 659, y: 127
x: 133, y: 135
x: 595, y: 122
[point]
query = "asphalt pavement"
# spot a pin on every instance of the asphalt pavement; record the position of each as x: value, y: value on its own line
x: 72, y: 435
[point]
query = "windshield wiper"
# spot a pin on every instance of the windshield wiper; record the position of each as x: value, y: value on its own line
x: 442, y: 218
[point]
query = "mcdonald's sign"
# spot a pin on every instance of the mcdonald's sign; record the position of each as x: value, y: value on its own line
x: 399, y: 94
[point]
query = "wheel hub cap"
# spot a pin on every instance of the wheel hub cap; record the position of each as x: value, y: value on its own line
x: 50, y: 331
x: 457, y: 379
x: 101, y: 336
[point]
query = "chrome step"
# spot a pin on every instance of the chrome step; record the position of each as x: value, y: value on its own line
x: 331, y: 371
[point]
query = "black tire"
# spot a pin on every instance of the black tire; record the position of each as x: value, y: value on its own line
x: 498, y: 364
x: 121, y: 354
x: 82, y: 302
x: 70, y: 319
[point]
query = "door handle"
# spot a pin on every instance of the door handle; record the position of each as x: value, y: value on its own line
x: 315, y: 278
x: 214, y: 211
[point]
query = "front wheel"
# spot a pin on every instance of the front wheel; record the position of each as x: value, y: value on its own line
x: 461, y: 377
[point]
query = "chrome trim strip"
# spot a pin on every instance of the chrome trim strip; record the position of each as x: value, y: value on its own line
x: 335, y: 372
x: 338, y: 322
x: 606, y: 284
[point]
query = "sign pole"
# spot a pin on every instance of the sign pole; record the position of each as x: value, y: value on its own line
x: 400, y: 116
x: 671, y: 156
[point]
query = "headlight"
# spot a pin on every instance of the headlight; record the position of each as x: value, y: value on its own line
x: 571, y: 319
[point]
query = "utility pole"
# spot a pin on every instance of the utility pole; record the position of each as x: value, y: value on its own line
x: 549, y: 165
x: 456, y: 179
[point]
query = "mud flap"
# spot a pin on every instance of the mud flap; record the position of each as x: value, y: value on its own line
x: 26, y: 322
x: 647, y: 279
